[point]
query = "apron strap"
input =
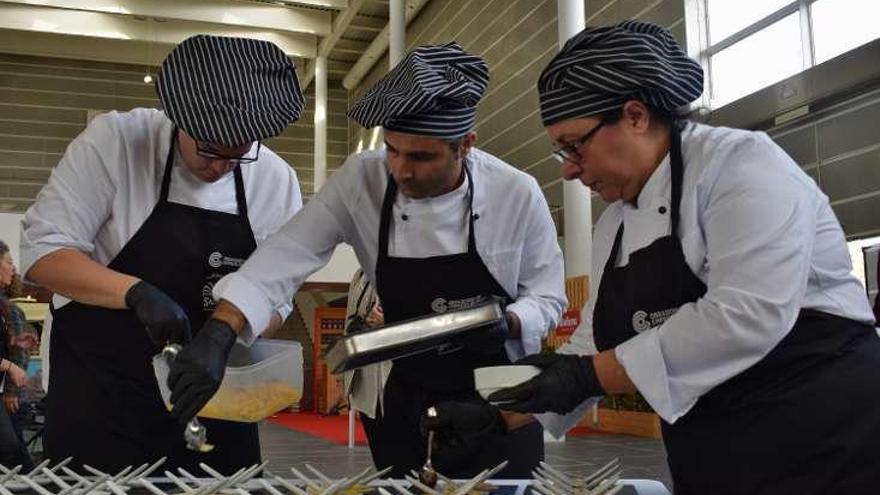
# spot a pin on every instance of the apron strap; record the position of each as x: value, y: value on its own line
x: 472, y: 238
x: 239, y: 192
x: 615, y: 249
x: 385, y: 219
x: 388, y: 205
x: 169, y: 163
x: 677, y: 166
x: 240, y: 198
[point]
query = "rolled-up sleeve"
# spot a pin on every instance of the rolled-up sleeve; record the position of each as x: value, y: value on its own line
x: 285, y: 259
x: 76, y: 201
x: 540, y: 298
x: 758, y: 217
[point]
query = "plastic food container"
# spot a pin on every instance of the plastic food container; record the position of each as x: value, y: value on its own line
x: 260, y: 380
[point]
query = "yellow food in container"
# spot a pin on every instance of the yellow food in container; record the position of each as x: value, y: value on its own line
x: 260, y: 380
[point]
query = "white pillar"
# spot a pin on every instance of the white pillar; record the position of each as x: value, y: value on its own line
x: 320, y: 122
x: 396, y: 32
x: 576, y: 196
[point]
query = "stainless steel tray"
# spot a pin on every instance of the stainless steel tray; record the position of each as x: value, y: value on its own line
x: 408, y: 337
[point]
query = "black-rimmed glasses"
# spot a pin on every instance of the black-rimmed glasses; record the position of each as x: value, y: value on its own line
x: 249, y: 156
x: 570, y: 151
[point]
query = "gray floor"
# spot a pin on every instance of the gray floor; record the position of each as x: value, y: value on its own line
x: 641, y: 458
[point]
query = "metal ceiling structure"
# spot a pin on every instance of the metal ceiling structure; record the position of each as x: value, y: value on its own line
x: 352, y: 34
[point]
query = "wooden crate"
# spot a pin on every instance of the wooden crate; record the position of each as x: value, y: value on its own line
x: 641, y: 424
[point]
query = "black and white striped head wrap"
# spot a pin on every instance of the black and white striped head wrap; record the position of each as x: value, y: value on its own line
x: 229, y: 91
x: 433, y: 92
x: 601, y: 68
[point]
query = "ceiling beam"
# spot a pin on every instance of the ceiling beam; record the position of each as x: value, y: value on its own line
x: 339, y: 26
x: 369, y: 23
x: 148, y: 31
x: 378, y: 48
x: 41, y: 44
x: 329, y: 4
x: 229, y: 12
x: 350, y: 46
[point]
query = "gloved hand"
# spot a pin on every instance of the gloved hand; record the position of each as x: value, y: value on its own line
x: 462, y: 423
x: 565, y: 382
x: 198, y: 369
x: 164, y: 319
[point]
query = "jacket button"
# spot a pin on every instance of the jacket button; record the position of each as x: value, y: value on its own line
x: 405, y: 217
x: 662, y: 210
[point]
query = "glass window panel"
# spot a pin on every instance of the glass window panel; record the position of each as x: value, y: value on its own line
x: 729, y: 16
x: 841, y: 25
x: 758, y: 61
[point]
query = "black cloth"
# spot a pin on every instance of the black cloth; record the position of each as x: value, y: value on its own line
x: 805, y: 419
x: 601, y: 68
x: 409, y: 288
x: 103, y: 405
x: 433, y: 91
x: 229, y: 91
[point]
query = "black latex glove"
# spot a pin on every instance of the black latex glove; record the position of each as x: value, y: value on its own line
x: 462, y: 423
x: 565, y: 382
x: 164, y: 319
x: 198, y: 369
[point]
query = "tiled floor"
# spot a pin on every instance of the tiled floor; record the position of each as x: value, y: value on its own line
x: 641, y: 458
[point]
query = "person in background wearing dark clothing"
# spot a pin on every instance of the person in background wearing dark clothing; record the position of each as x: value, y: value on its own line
x: 12, y: 374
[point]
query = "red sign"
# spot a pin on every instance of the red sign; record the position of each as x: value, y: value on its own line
x: 570, y: 321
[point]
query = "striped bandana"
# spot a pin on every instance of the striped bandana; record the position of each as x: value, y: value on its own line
x: 601, y: 68
x: 229, y: 91
x: 432, y: 92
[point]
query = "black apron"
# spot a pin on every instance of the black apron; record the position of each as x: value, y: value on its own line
x: 413, y: 287
x: 103, y: 406
x: 805, y: 419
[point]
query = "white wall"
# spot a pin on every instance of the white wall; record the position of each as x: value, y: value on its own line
x: 10, y: 232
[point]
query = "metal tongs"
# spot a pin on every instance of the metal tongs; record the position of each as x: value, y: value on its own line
x: 195, y: 434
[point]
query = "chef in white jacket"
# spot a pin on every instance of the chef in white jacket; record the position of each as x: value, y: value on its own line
x: 144, y: 213
x: 436, y: 224
x: 723, y: 291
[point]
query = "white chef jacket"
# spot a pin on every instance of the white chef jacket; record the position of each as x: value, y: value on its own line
x: 110, y: 178
x: 515, y: 237
x: 763, y: 238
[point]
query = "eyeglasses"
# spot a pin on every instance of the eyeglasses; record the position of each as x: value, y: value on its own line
x: 570, y: 151
x: 247, y: 157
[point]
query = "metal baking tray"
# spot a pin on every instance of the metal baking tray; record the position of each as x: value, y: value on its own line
x: 408, y: 337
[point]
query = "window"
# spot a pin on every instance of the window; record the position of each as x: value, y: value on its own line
x: 841, y: 25
x: 751, y: 44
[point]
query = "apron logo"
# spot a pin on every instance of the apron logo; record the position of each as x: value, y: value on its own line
x: 441, y: 305
x: 642, y: 320
x: 216, y: 260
